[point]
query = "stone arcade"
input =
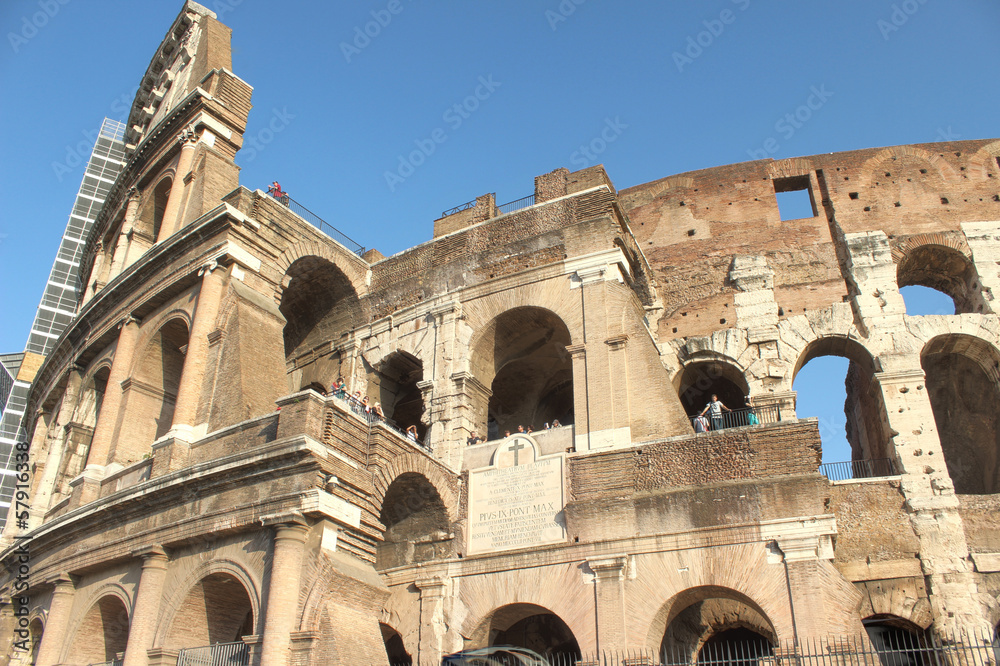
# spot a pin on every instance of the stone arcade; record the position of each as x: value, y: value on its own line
x: 172, y: 507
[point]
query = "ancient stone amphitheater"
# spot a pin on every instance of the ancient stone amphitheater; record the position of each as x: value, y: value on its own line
x: 194, y: 482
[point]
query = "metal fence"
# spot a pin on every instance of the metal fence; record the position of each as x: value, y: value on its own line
x: 373, y: 414
x: 517, y: 204
x: 896, y: 648
x: 736, y: 418
x: 858, y: 469
x: 318, y: 222
x: 459, y: 208
x: 220, y: 654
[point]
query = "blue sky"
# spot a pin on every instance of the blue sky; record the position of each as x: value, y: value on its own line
x: 688, y: 85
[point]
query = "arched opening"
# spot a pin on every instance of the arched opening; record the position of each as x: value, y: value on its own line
x: 852, y: 421
x: 532, y: 627
x: 922, y: 301
x: 151, y: 392
x: 416, y: 523
x: 102, y: 634
x: 319, y: 305
x: 715, y: 625
x: 963, y: 385
x: 395, y: 383
x: 395, y: 651
x: 943, y: 269
x: 702, y: 379
x: 35, y: 631
x: 898, y: 642
x: 521, y: 355
x: 150, y: 221
x: 80, y: 431
x: 217, y: 609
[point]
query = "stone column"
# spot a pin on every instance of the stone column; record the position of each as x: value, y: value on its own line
x: 57, y: 622
x: 581, y: 412
x: 432, y: 624
x: 931, y: 503
x: 619, y: 389
x: 172, y: 212
x: 107, y: 419
x: 118, y: 263
x: 193, y: 374
x: 147, y: 605
x: 281, y: 611
x: 609, y: 597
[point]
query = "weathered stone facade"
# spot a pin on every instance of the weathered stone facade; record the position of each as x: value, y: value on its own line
x: 172, y: 506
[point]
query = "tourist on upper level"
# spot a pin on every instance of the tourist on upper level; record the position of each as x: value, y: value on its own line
x: 715, y: 409
x: 411, y: 433
x: 474, y: 439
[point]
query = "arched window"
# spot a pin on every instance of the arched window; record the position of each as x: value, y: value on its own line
x: 521, y: 355
x: 217, y: 609
x: 701, y: 379
x: 320, y: 306
x: 395, y: 384
x: 943, y: 269
x: 963, y: 385
x: 416, y: 523
x: 102, y: 634
x: 395, y: 651
x: 532, y: 627
x: 853, y: 425
x: 898, y: 642
x: 151, y: 392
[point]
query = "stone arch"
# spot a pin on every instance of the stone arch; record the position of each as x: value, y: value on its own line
x: 320, y: 304
x: 689, y: 619
x: 984, y: 161
x: 520, y: 354
x: 527, y: 625
x: 962, y: 375
x: 101, y: 633
x: 417, y: 526
x: 150, y: 394
x: 875, y: 167
x: 940, y: 262
x: 149, y: 222
x: 444, y: 482
x: 393, y: 383
x: 896, y: 639
x: 867, y: 423
x: 216, y: 603
x: 354, y: 268
x: 395, y: 649
x: 705, y: 374
x: 79, y: 432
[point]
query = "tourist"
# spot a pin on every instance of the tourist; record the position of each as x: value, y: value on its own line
x: 751, y: 412
x: 377, y: 410
x: 411, y: 433
x: 528, y: 431
x: 520, y: 428
x: 474, y: 439
x: 342, y: 388
x: 547, y: 426
x: 715, y: 409
x: 506, y: 433
x: 556, y: 424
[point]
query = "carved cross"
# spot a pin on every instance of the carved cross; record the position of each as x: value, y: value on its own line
x: 515, y: 447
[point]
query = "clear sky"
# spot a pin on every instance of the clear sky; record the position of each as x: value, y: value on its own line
x: 687, y: 85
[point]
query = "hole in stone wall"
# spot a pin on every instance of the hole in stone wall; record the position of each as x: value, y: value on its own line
x: 794, y: 197
x: 944, y: 200
x: 853, y: 195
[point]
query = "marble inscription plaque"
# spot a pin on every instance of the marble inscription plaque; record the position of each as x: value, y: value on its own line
x: 518, y: 501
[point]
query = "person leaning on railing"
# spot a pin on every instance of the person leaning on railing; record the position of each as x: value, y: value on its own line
x: 715, y: 409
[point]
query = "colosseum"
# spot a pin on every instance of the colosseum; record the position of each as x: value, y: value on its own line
x: 202, y: 488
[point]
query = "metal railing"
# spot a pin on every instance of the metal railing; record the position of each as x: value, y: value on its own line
x: 518, y: 204
x: 113, y: 662
x: 900, y: 650
x: 318, y: 222
x: 373, y: 414
x: 459, y: 208
x: 757, y: 415
x: 220, y: 654
x: 858, y: 469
